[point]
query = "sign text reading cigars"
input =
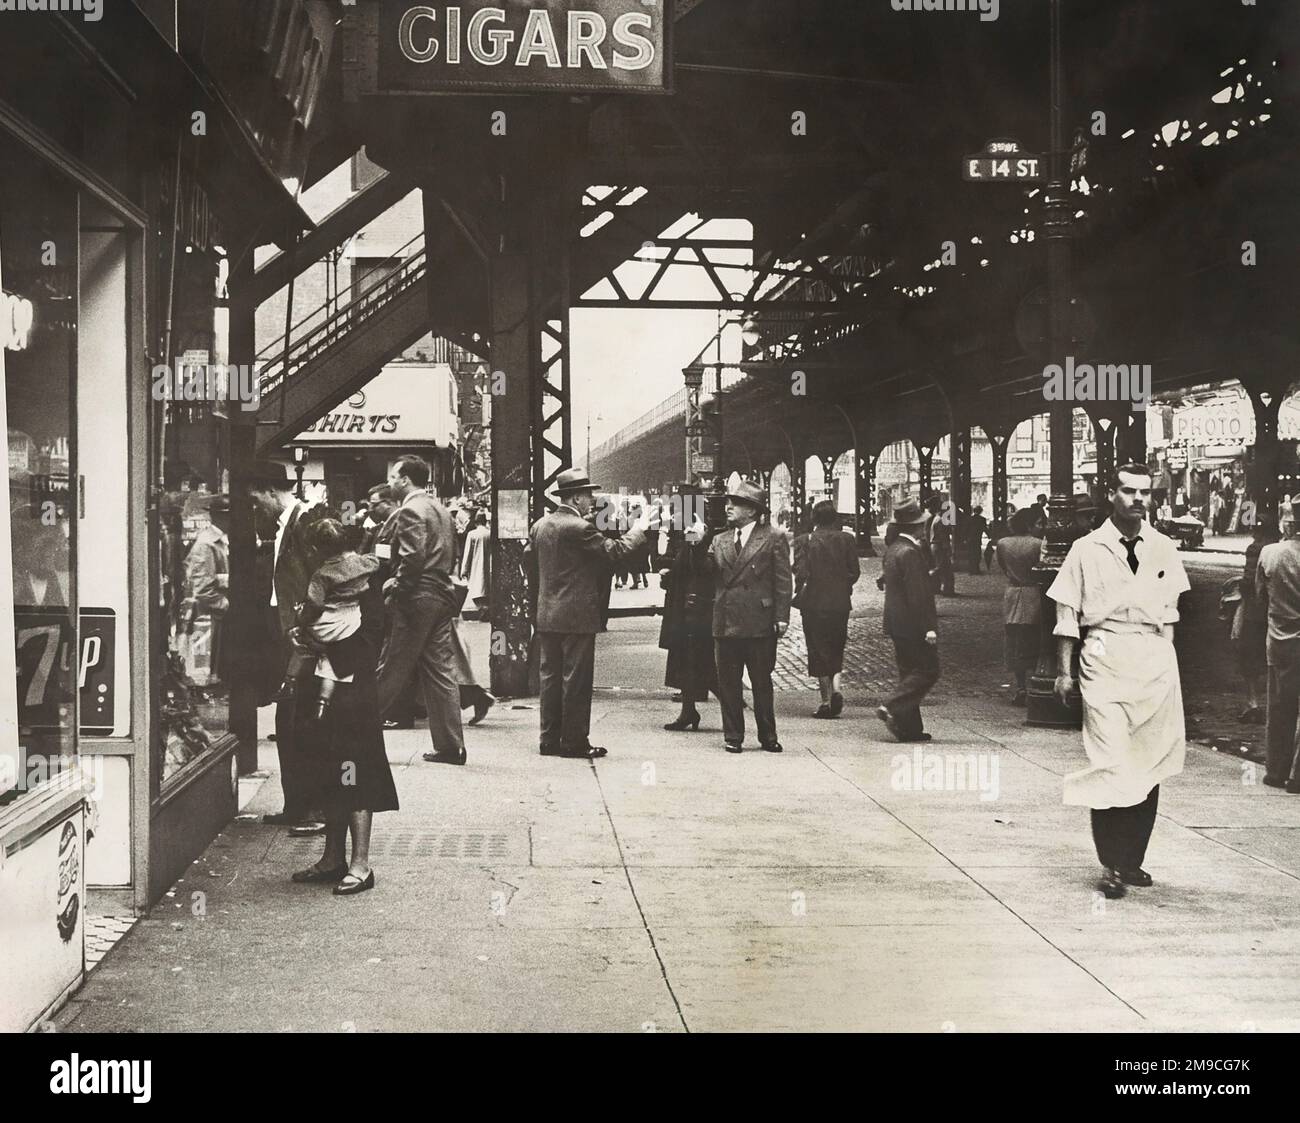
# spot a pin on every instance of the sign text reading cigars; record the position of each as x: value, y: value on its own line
x: 523, y: 45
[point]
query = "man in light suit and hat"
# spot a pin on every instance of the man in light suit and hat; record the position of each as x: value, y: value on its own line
x: 572, y: 562
x: 911, y: 622
x: 751, y: 611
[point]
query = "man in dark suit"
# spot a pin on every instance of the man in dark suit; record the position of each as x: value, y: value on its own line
x: 572, y: 562
x: 911, y: 622
x: 422, y: 603
x: 751, y: 611
x: 273, y: 499
x: 939, y: 544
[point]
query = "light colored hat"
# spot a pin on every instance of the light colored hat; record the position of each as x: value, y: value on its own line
x: 909, y: 513
x: 749, y: 493
x: 575, y: 479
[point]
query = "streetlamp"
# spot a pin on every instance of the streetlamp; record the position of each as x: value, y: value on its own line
x: 299, y: 463
x: 1044, y: 709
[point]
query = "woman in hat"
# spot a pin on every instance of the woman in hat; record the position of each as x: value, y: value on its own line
x: 826, y: 569
x: 687, y: 630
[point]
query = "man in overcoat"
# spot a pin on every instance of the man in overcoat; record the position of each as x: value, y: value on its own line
x: 571, y: 563
x: 751, y: 612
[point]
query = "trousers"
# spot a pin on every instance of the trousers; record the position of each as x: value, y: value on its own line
x: 1283, y: 761
x: 1121, y: 834
x: 566, y: 670
x: 918, y: 671
x: 419, y: 643
x: 757, y: 655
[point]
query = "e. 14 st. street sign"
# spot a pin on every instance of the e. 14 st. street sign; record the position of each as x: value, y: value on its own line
x: 1002, y: 161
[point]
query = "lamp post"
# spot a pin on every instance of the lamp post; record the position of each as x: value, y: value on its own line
x: 299, y: 464
x: 1044, y: 709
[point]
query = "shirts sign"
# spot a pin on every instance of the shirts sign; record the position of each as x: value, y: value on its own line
x: 518, y: 45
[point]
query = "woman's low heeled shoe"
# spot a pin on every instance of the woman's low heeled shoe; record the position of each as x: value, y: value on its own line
x: 682, y: 724
x: 312, y: 874
x: 358, y: 885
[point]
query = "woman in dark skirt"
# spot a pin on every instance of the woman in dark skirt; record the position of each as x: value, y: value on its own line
x: 826, y: 569
x: 687, y: 631
x: 348, y: 772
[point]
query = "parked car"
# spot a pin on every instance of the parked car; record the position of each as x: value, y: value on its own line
x: 1187, y: 530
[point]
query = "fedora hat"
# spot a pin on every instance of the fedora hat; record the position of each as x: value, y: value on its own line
x: 575, y: 479
x: 909, y: 513
x: 219, y: 503
x: 749, y: 493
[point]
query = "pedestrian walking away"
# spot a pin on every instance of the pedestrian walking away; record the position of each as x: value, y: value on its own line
x: 826, y: 569
x: 751, y: 612
x: 1121, y: 583
x: 911, y: 621
x: 572, y: 564
x: 1249, y: 625
x: 423, y: 601
x: 1278, y: 587
x: 1018, y: 553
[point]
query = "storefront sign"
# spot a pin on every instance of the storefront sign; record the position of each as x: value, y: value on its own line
x: 1208, y: 424
x: 16, y: 317
x: 43, y: 641
x: 521, y: 46
x: 405, y: 403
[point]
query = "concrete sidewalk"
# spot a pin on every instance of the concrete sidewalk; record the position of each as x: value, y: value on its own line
x: 674, y: 886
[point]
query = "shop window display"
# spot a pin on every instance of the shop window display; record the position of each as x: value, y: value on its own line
x: 38, y: 276
x: 194, y: 558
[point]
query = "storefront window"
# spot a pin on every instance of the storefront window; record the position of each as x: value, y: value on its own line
x: 38, y: 356
x: 194, y: 559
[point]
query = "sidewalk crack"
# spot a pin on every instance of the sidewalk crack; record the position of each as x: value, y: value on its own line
x: 627, y: 874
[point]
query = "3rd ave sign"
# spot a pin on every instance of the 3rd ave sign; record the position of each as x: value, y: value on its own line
x: 1003, y: 162
x: 515, y: 46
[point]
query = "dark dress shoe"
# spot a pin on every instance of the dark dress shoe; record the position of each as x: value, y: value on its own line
x: 351, y: 886
x: 551, y: 750
x: 883, y: 713
x: 733, y: 747
x: 314, y: 875
x: 918, y: 737
x: 1293, y: 786
x: 481, y: 708
x: 837, y: 704
x: 1140, y: 878
x: 681, y: 724
x: 307, y: 829
x: 445, y: 758
x: 581, y: 752
x: 1111, y: 885
x: 1269, y: 782
x: 774, y: 747
x: 824, y: 710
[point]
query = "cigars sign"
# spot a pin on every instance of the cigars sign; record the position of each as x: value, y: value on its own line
x: 512, y: 46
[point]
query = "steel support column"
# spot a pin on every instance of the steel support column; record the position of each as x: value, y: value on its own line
x: 1104, y: 432
x: 828, y: 474
x: 959, y: 487
x: 998, y: 442
x: 1131, y: 438
x: 513, y: 339
x: 864, y: 526
x: 1261, y: 481
x: 925, y: 468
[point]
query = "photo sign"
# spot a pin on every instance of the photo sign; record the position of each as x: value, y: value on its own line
x: 517, y: 46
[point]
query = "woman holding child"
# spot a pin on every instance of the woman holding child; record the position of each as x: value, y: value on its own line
x: 337, y: 721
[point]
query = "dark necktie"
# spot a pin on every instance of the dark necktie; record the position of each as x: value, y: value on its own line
x: 737, y: 541
x: 1130, y: 544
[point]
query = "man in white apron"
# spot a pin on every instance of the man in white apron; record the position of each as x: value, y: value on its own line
x: 1122, y: 583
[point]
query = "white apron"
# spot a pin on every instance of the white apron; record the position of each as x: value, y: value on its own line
x: 1133, y: 728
